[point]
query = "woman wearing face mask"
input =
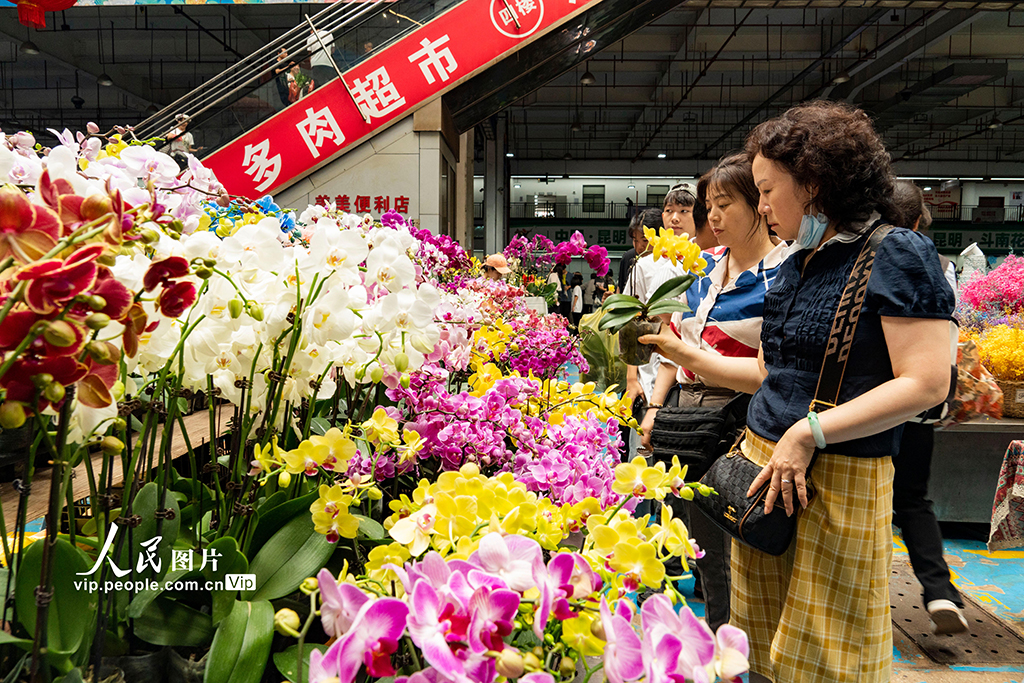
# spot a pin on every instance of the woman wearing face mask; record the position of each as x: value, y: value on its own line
x: 724, y: 318
x: 820, y: 612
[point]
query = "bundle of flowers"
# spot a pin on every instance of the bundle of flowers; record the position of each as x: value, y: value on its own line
x: 1002, y: 351
x: 1001, y: 290
x: 541, y: 346
x: 225, y: 216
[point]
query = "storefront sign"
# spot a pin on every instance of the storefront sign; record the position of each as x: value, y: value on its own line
x: 429, y: 61
x: 612, y: 239
x: 362, y: 203
x: 986, y: 239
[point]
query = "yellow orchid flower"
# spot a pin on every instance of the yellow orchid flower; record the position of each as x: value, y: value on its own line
x: 340, y: 448
x: 331, y: 516
x: 307, y: 457
x: 639, y: 562
x: 577, y: 635
x: 381, y: 428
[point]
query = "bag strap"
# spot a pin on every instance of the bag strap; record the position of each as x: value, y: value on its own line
x: 840, y: 339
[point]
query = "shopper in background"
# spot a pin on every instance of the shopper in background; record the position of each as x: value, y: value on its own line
x: 557, y: 278
x: 703, y: 237
x: 577, y: 299
x: 495, y: 267
x: 589, y: 291
x: 724, y: 319
x: 912, y: 511
x: 319, y: 43
x: 820, y: 612
x: 180, y: 142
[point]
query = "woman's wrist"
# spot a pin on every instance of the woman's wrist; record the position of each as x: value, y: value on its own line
x: 801, y: 431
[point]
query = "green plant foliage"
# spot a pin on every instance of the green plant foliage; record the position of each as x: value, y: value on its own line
x: 241, y: 645
x: 296, y: 552
x: 287, y: 662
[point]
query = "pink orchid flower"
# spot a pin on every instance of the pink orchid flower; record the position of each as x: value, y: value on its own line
x: 623, y: 652
x: 512, y: 558
x: 433, y: 622
x: 492, y: 613
x: 371, y: 640
x: 733, y: 653
x: 665, y: 659
x: 341, y: 604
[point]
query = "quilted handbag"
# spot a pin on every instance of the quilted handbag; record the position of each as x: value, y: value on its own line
x: 732, y: 474
x: 697, y: 434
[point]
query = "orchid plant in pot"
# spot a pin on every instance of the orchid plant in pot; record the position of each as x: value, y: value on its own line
x: 633, y: 318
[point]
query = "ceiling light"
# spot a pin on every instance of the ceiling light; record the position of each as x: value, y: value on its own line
x: 662, y: 155
x: 77, y: 101
x: 928, y: 188
x: 994, y: 123
x: 587, y: 78
x: 631, y: 186
x: 517, y: 186
x: 151, y: 109
x: 510, y: 154
x: 841, y: 77
x: 567, y: 157
x: 29, y: 48
x: 906, y: 94
x: 576, y: 127
x: 105, y: 80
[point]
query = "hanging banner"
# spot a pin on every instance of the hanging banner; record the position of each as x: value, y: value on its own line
x: 389, y: 85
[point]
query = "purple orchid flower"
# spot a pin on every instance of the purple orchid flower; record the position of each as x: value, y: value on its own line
x: 696, y: 643
x: 432, y: 623
x: 492, y: 612
x: 371, y: 641
x: 341, y: 604
x: 623, y: 651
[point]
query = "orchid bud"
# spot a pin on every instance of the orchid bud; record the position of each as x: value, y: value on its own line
x: 405, y: 380
x: 235, y: 308
x: 117, y: 391
x: 12, y: 415
x: 42, y: 380
x: 96, y: 206
x: 101, y: 352
x: 309, y: 585
x: 107, y: 259
x: 284, y: 478
x: 97, y: 302
x: 704, y: 490
x: 54, y: 392
x: 377, y: 374
x: 111, y: 445
x: 531, y: 662
x: 538, y: 651
x: 119, y: 424
x: 204, y: 273
x: 287, y: 622
x: 549, y: 639
x: 374, y: 493
x: 92, y: 128
x: 401, y: 362
x: 60, y: 333
x: 224, y: 200
x: 255, y: 310
x: 97, y: 321
x: 509, y: 663
x: 210, y: 262
x: 597, y: 629
x: 149, y: 236
x: 567, y: 667
x: 360, y: 373
x: 686, y: 493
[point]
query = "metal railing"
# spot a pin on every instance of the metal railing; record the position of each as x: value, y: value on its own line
x: 972, y: 213
x: 257, y: 87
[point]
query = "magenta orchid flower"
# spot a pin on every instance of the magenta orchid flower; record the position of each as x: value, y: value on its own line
x: 341, y: 604
x: 492, y: 613
x: 623, y: 652
x: 372, y: 639
x: 512, y: 558
x: 432, y: 623
x: 696, y: 643
x: 733, y: 653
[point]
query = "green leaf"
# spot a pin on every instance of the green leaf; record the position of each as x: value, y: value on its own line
x: 296, y: 552
x: 667, y: 306
x: 287, y: 662
x: 73, y: 608
x: 7, y: 639
x: 144, y: 598
x: 319, y: 425
x: 241, y: 645
x: 272, y: 519
x: 671, y: 289
x: 146, y: 502
x: 615, y: 321
x: 73, y: 676
x: 231, y: 561
x: 168, y: 622
x: 624, y: 307
x: 182, y: 405
x: 370, y: 528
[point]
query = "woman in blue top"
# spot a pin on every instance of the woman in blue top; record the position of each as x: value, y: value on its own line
x: 820, y: 612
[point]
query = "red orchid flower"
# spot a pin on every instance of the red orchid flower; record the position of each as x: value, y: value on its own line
x: 117, y: 297
x: 27, y: 231
x: 94, y: 388
x: 163, y: 271
x: 17, y: 325
x: 176, y: 298
x: 53, y: 283
x: 134, y: 326
x: 17, y: 381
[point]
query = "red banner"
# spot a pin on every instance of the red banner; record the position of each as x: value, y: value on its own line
x: 387, y: 86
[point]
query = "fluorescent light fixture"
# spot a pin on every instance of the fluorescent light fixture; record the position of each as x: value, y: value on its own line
x: 510, y: 154
x: 105, y: 80
x: 29, y: 48
x: 928, y: 188
x: 632, y: 186
x: 517, y: 186
x: 662, y: 155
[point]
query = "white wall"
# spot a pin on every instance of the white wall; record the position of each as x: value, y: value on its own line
x: 615, y: 189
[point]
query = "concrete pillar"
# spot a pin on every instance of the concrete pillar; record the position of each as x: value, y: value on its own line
x: 464, y: 221
x: 495, y: 185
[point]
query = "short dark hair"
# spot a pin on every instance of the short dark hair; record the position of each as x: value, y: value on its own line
x: 577, y: 279
x: 648, y: 218
x: 680, y: 194
x: 733, y: 176
x: 908, y: 206
x: 832, y: 149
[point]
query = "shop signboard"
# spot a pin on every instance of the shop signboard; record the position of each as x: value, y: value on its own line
x: 956, y: 240
x: 614, y: 239
x: 387, y: 86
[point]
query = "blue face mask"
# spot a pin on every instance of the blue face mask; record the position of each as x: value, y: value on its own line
x: 812, y: 228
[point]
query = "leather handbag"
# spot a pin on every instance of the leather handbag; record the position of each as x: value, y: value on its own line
x: 698, y: 434
x: 732, y: 474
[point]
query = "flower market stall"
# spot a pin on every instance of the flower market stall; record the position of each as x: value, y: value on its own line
x: 307, y: 446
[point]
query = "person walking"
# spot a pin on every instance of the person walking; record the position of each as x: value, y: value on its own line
x: 912, y: 511
x: 724, y: 319
x: 577, y: 300
x: 589, y: 291
x: 820, y: 611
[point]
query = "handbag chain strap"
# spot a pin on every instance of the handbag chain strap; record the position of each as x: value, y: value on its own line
x: 840, y: 339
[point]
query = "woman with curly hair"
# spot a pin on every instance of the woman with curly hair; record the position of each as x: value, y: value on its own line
x: 820, y: 612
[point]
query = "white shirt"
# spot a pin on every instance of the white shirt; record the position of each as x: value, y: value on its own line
x: 577, y: 299
x: 588, y: 292
x: 319, y: 57
x: 181, y: 143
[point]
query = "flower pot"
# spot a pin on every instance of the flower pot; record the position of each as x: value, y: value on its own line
x: 1013, y: 398
x: 631, y: 351
x: 15, y: 445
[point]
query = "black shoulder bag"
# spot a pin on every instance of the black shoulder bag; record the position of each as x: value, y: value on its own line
x: 732, y: 474
x: 698, y: 434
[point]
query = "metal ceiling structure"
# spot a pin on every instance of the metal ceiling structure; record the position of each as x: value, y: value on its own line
x: 945, y: 81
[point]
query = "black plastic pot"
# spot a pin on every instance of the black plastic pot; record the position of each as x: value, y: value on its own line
x: 631, y: 351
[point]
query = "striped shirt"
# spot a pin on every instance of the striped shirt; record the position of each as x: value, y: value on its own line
x: 727, y: 320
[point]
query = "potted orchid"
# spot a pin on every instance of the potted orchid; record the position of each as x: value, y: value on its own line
x: 633, y: 318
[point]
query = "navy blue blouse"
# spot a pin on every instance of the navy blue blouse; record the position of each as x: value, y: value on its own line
x: 906, y: 281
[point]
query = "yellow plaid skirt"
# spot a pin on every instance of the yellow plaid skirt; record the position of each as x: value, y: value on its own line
x: 820, y: 612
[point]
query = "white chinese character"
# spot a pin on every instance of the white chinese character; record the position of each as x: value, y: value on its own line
x: 525, y: 6
x: 508, y: 15
x: 377, y: 95
x: 149, y: 555
x: 317, y: 127
x: 118, y: 572
x: 211, y: 555
x: 261, y: 166
x: 441, y: 61
x: 181, y: 560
